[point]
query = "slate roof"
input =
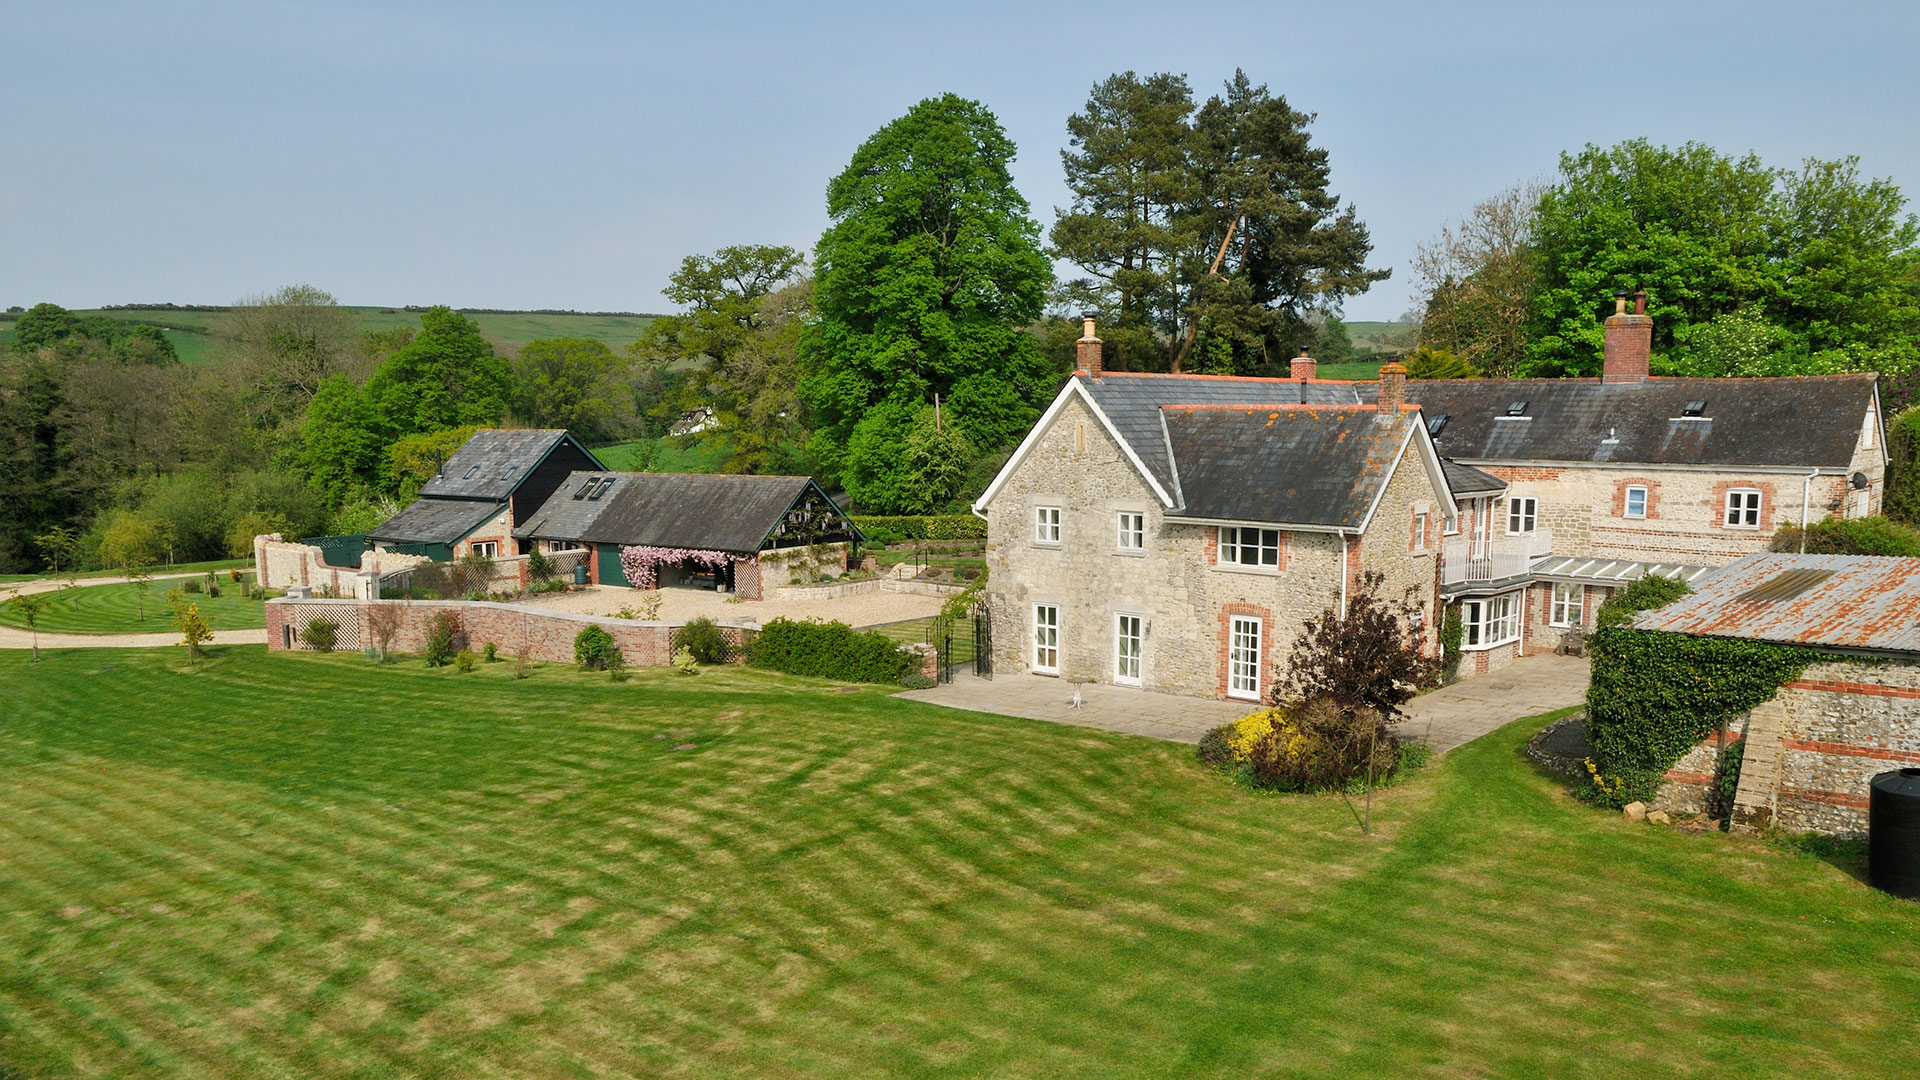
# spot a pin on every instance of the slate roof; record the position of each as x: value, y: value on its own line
x: 1465, y: 480
x: 1132, y: 401
x: 1839, y: 601
x: 569, y: 512
x: 1801, y: 421
x: 492, y: 464
x: 436, y: 521
x: 682, y: 510
x: 1315, y: 465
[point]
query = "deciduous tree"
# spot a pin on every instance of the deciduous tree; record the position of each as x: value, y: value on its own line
x: 28, y: 608
x: 446, y: 377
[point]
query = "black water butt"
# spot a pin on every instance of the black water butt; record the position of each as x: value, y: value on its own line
x: 1893, y: 833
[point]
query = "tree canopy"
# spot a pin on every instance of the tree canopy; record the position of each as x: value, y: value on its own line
x: 447, y: 376
x: 1209, y: 234
x: 924, y: 284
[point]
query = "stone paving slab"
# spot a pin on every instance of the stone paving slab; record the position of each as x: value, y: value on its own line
x: 1455, y: 715
x: 1446, y: 718
x: 1109, y: 708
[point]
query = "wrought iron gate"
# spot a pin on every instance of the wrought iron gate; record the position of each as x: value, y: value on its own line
x: 982, y: 645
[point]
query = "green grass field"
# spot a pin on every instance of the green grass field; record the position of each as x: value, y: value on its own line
x: 703, y: 456
x: 221, y: 565
x: 193, y: 332
x: 311, y: 866
x: 116, y: 609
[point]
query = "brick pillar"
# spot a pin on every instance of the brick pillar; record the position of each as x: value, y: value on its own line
x: 1393, y: 392
x: 1087, y: 349
x: 1303, y: 366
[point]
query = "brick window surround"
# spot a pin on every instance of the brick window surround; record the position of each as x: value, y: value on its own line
x: 1265, y: 615
x: 1620, y: 497
x: 1718, y: 506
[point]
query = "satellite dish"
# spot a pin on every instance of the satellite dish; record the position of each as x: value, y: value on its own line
x: 1858, y: 480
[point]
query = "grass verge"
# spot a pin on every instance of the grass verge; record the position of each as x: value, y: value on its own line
x: 306, y: 865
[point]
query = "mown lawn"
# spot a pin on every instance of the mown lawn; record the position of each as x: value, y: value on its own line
x: 219, y: 565
x: 118, y: 609
x: 311, y: 866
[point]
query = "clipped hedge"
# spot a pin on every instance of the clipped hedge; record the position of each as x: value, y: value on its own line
x: 828, y: 650
x: 922, y: 527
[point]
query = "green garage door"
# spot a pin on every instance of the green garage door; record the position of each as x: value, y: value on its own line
x: 611, y: 572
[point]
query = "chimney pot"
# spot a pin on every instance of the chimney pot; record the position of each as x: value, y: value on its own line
x: 1629, y: 341
x: 1393, y: 392
x: 1087, y: 353
x: 1303, y: 366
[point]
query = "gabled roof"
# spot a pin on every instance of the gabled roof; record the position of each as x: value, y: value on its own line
x: 676, y: 510
x: 1132, y: 402
x: 436, y: 521
x: 1314, y: 465
x: 493, y: 463
x: 1802, y: 422
x: 1869, y: 602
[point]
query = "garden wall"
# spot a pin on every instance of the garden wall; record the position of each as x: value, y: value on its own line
x: 284, y: 563
x: 542, y: 635
x: 1809, y: 753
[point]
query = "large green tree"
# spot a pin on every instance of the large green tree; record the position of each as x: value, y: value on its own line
x: 572, y: 383
x: 924, y: 282
x: 447, y: 376
x: 1775, y: 271
x: 1210, y: 233
x: 340, y: 445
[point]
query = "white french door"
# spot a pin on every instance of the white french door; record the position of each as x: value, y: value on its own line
x: 1126, y: 650
x: 1243, y: 657
x: 1046, y: 639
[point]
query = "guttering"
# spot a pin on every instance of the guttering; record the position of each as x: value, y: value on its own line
x: 1183, y: 519
x: 1343, y: 575
x: 1630, y: 466
x: 1806, y: 500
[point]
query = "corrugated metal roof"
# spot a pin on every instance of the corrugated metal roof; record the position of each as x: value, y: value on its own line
x: 1285, y: 464
x: 1863, y: 602
x: 1589, y: 571
x: 492, y: 464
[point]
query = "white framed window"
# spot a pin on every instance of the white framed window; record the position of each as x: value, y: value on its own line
x: 1243, y: 657
x: 1241, y: 546
x: 1127, y: 641
x: 1743, y: 508
x: 1635, y: 505
x: 556, y: 546
x: 1046, y: 525
x: 489, y: 548
x: 1568, y: 604
x: 1862, y: 504
x: 1132, y: 531
x: 1046, y: 639
x: 1521, y: 514
x: 1419, y: 539
x: 1490, y: 621
x: 1866, y: 437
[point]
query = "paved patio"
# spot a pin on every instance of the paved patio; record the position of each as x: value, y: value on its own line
x: 1445, y: 718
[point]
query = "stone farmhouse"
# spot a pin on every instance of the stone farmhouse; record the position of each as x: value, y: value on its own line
x: 1174, y: 532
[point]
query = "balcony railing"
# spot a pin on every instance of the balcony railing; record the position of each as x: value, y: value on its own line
x: 1464, y: 560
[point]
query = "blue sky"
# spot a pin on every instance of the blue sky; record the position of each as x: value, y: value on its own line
x: 568, y: 155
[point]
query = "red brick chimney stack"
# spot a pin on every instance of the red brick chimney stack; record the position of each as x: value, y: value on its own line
x: 1629, y: 344
x: 1304, y: 366
x: 1393, y: 392
x: 1089, y: 346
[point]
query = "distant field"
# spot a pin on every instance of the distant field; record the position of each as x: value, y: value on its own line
x: 193, y: 332
x: 1380, y: 336
x: 701, y: 457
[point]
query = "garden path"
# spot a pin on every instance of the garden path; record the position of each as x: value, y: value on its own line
x: 11, y: 638
x: 1458, y: 714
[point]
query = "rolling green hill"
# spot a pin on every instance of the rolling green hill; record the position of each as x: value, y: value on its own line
x: 194, y: 333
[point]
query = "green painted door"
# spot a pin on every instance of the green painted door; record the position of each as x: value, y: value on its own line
x: 611, y: 572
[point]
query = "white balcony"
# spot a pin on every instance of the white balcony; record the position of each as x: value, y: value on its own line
x: 1465, y: 561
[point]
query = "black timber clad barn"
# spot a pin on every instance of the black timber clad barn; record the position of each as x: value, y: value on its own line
x: 738, y: 515
x: 494, y: 470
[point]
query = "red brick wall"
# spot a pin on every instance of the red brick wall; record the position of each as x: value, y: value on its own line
x: 1512, y: 473
x: 1653, y: 497
x: 1718, y: 506
x: 1628, y: 348
x: 1227, y: 612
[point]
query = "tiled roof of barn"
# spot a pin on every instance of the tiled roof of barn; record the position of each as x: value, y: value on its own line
x: 1320, y: 465
x: 1839, y: 601
x: 1132, y: 401
x: 436, y: 521
x: 572, y: 508
x: 492, y: 464
x: 677, y: 510
x: 1800, y: 421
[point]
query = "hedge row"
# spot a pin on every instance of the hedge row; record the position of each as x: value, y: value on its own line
x: 926, y: 527
x: 829, y: 650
